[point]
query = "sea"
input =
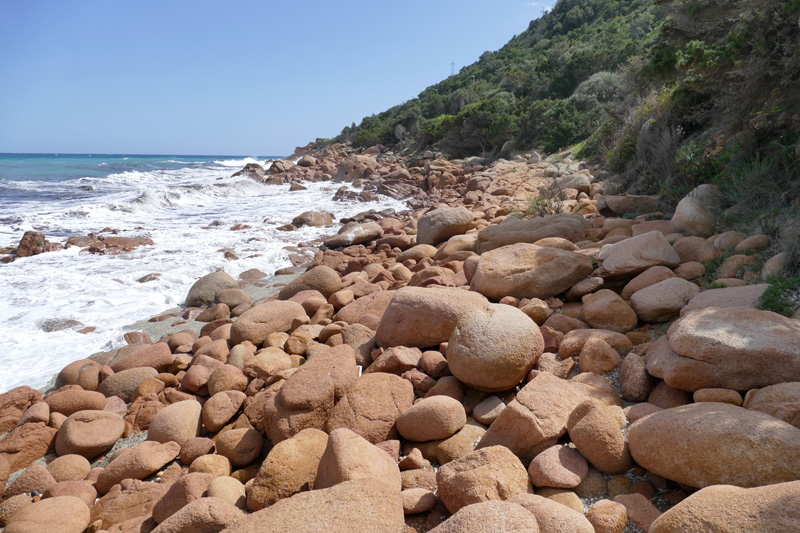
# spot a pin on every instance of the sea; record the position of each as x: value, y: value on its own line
x: 186, y: 204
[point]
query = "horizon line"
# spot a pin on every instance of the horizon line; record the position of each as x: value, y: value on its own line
x: 140, y: 154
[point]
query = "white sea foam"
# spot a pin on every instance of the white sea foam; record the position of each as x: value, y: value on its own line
x: 236, y: 162
x: 187, y: 212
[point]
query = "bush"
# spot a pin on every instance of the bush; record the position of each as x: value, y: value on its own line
x: 546, y: 203
x: 782, y: 296
x: 600, y: 89
x: 570, y: 53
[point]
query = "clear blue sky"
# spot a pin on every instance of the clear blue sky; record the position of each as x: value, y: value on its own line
x: 232, y: 77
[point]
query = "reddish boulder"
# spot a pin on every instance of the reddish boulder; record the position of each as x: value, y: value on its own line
x: 89, y: 433
x: 26, y: 443
x: 15, y: 402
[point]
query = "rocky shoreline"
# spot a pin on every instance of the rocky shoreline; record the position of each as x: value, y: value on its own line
x: 517, y: 351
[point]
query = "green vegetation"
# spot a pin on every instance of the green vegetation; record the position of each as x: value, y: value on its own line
x: 782, y: 296
x: 548, y: 87
x: 667, y: 94
x: 544, y: 204
x: 712, y: 267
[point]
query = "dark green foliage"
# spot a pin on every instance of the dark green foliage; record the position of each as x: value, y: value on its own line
x: 712, y: 266
x: 782, y: 296
x: 530, y: 90
x: 668, y: 94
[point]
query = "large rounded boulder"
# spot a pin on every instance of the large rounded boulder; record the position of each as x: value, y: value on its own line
x: 320, y: 278
x: 371, y: 406
x: 205, y: 288
x: 425, y: 317
x: 492, y: 473
x: 89, y: 433
x: 770, y: 509
x: 515, y: 230
x: 177, y: 422
x: 698, y: 444
x: 356, y: 167
x: 493, y: 350
x: 733, y: 348
x: 256, y: 324
x: 440, y: 224
x: 528, y: 271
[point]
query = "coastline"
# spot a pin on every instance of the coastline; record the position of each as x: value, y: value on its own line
x: 137, y: 242
x: 467, y: 313
x: 160, y: 329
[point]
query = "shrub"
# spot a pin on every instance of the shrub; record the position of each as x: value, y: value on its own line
x: 782, y: 296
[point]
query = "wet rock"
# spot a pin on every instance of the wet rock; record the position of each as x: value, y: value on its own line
x: 34, y: 243
x: 313, y: 218
x: 203, y: 291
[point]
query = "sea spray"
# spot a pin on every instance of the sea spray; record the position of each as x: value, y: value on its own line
x: 188, y: 212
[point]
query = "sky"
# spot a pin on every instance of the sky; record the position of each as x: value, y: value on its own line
x: 226, y: 78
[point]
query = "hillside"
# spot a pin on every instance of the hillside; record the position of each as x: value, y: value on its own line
x: 667, y: 95
x: 545, y: 87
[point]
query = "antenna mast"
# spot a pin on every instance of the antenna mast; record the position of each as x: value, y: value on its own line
x: 452, y: 68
